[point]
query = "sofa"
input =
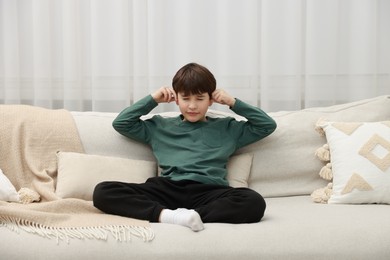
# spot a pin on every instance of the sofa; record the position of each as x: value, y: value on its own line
x: 302, y: 220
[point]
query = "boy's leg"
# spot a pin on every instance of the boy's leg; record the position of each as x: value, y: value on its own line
x: 139, y: 201
x: 157, y: 200
x: 222, y: 204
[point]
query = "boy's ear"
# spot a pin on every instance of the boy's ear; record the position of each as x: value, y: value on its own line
x: 211, y: 101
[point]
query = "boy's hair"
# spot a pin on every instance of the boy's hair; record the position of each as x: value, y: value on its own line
x: 194, y: 79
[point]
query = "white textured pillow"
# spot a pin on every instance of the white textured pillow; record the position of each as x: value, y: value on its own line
x: 78, y: 174
x: 360, y: 158
x: 7, y: 190
x: 239, y: 169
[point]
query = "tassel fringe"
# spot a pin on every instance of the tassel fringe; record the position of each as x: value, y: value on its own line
x: 326, y: 172
x: 28, y: 196
x: 322, y: 195
x: 323, y: 153
x: 120, y: 233
x: 318, y: 126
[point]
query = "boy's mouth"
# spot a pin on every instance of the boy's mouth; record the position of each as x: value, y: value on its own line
x: 192, y: 113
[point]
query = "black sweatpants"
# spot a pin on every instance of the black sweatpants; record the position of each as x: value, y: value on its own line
x: 214, y: 203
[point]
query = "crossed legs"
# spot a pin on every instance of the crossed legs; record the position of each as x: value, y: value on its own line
x: 186, y: 203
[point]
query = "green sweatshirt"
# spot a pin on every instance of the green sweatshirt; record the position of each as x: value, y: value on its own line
x: 194, y: 151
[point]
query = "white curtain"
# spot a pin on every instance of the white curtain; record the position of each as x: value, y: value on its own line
x: 103, y: 55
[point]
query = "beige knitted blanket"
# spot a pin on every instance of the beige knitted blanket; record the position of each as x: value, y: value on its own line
x: 29, y: 139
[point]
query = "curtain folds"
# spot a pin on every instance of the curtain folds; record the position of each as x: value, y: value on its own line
x: 102, y: 55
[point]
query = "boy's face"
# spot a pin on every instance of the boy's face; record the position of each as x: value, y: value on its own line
x: 194, y: 107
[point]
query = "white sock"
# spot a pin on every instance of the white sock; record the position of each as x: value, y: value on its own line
x: 184, y: 217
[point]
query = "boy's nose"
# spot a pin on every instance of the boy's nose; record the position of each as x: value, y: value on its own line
x: 192, y: 105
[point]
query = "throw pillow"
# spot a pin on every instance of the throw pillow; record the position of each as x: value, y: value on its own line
x: 78, y: 174
x: 239, y: 169
x: 7, y: 190
x: 360, y: 159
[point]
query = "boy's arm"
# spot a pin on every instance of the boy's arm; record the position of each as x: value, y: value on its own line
x: 129, y: 123
x: 258, y: 126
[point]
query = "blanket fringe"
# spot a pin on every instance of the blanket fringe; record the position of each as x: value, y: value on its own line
x: 120, y: 233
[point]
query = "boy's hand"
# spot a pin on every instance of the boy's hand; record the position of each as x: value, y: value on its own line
x: 164, y: 94
x: 222, y: 97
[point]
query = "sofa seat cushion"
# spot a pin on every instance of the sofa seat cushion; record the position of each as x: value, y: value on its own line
x: 293, y: 228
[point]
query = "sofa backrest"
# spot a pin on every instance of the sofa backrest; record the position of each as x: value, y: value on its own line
x: 284, y: 163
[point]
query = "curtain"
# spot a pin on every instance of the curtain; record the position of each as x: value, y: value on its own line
x: 103, y: 55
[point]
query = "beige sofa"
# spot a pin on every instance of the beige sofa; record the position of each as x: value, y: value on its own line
x: 285, y: 170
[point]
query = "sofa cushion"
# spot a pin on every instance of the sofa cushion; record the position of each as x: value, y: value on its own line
x: 360, y: 160
x: 99, y: 137
x: 284, y: 163
x: 111, y: 143
x: 239, y: 169
x: 78, y: 174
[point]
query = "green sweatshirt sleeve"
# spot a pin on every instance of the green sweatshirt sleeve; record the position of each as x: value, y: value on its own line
x: 129, y: 123
x: 258, y: 126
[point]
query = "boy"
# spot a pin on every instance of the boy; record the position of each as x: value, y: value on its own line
x: 192, y: 150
